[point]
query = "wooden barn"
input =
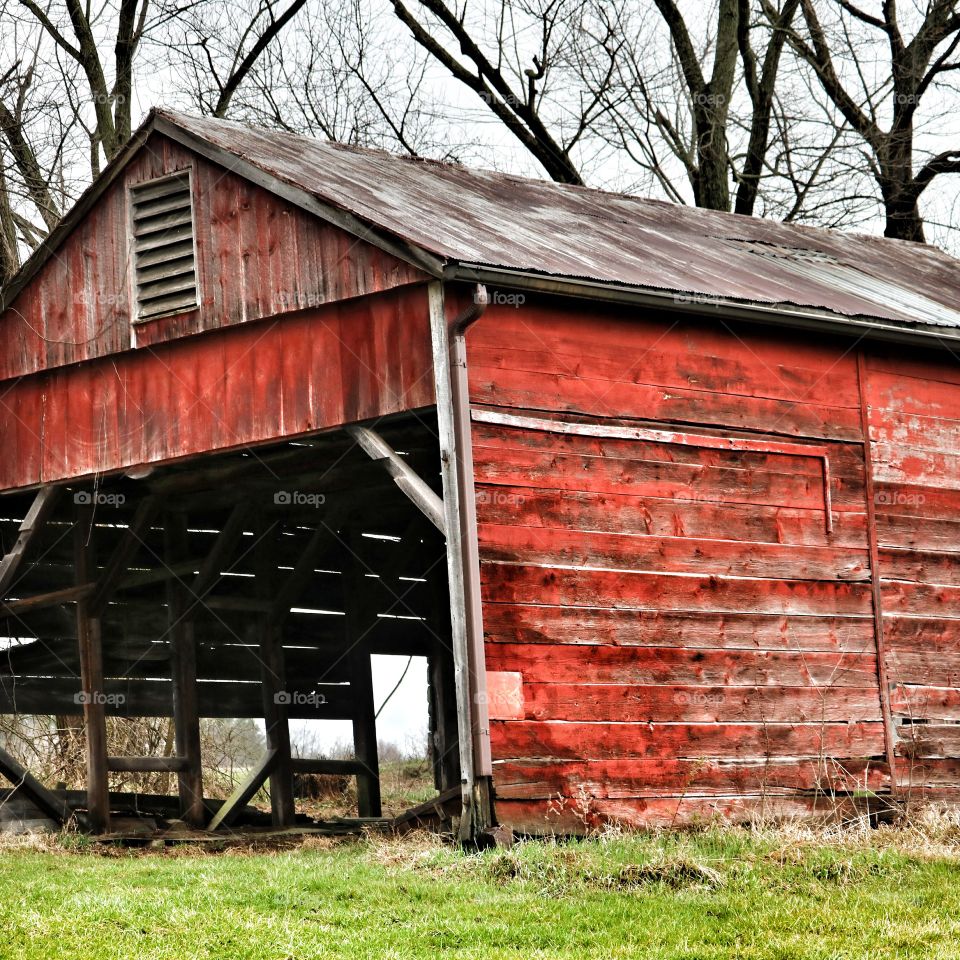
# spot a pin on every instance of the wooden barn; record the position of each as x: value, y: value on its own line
x: 669, y: 499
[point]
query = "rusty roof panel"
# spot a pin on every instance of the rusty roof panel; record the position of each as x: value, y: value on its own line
x: 492, y: 219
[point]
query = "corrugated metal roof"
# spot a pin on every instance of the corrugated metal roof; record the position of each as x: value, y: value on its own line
x: 480, y: 217
x: 463, y: 216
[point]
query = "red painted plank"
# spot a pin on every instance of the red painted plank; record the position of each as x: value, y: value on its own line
x: 619, y: 779
x: 924, y: 702
x: 529, y: 507
x: 664, y: 703
x: 508, y: 583
x: 573, y: 663
x: 582, y: 815
x: 929, y: 740
x: 505, y: 542
x: 534, y: 623
x: 597, y: 741
x: 528, y: 390
x: 548, y: 470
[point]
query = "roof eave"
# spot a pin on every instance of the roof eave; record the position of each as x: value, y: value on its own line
x: 695, y: 304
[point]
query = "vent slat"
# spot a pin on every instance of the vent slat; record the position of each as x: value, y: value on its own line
x: 167, y: 251
x: 160, y: 288
x: 163, y: 242
x: 166, y: 221
x: 167, y: 239
x: 170, y: 267
x: 177, y: 201
x: 161, y: 188
x: 158, y: 308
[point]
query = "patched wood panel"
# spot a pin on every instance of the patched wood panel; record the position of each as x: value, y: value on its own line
x: 913, y: 406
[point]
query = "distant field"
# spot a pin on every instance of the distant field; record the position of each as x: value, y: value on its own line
x: 720, y: 893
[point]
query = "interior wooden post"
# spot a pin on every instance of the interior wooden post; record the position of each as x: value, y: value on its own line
x: 91, y: 675
x: 361, y: 684
x: 268, y: 634
x: 183, y: 671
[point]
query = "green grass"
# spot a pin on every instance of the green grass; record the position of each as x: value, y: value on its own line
x: 720, y: 893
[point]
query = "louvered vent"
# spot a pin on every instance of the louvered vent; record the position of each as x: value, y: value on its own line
x: 163, y: 246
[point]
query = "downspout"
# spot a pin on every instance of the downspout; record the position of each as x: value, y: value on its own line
x: 483, y: 763
x: 456, y: 462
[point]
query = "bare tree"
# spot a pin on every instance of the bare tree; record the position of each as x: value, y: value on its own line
x: 881, y: 105
x: 220, y: 45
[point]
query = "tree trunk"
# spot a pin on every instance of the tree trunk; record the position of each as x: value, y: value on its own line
x: 9, y: 257
x: 900, y: 196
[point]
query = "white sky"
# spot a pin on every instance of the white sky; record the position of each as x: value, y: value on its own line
x: 403, y: 721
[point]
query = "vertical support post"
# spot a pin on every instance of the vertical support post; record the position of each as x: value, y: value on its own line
x: 91, y: 674
x: 183, y: 664
x: 465, y: 614
x: 361, y: 686
x: 443, y: 701
x: 265, y: 631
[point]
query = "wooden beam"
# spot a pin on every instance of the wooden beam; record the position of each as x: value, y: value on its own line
x: 42, y: 600
x: 216, y: 560
x: 45, y: 800
x: 361, y: 686
x: 30, y: 528
x: 302, y: 571
x: 244, y: 792
x: 147, y: 764
x: 123, y: 553
x: 276, y: 695
x: 183, y: 672
x: 91, y: 676
x: 154, y: 698
x: 418, y: 491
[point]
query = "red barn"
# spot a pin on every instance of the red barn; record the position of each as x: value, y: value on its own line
x: 669, y: 498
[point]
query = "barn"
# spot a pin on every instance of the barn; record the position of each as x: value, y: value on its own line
x: 669, y: 499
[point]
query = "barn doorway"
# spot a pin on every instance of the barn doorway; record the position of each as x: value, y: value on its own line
x: 203, y: 615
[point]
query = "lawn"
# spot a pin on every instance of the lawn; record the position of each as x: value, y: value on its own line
x: 717, y: 893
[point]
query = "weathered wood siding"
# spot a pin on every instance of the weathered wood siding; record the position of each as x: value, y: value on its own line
x: 913, y: 407
x: 671, y: 630
x: 257, y: 256
x: 248, y: 384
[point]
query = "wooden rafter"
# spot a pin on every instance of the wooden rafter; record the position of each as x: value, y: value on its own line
x: 30, y: 529
x: 420, y: 493
x: 45, y: 800
x: 123, y: 553
x: 244, y: 791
